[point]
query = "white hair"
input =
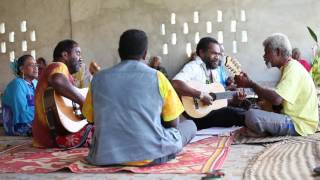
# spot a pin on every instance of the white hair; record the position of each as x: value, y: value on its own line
x: 279, y: 41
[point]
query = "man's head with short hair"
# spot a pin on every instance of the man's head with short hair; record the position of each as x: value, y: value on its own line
x: 279, y: 41
x: 69, y: 53
x: 208, y: 49
x: 133, y: 45
x: 63, y: 46
x: 41, y: 60
x: 296, y: 53
x: 155, y: 61
x: 277, y: 49
x: 42, y: 64
x: 203, y: 44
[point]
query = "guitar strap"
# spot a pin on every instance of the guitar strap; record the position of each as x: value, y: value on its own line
x: 209, y: 78
x: 51, y: 113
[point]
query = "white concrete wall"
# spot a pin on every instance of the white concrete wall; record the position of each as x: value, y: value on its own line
x: 50, y: 19
x: 97, y: 25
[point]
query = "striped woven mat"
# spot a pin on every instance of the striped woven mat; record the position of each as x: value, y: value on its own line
x: 263, y: 140
x: 239, y: 139
x: 294, y: 158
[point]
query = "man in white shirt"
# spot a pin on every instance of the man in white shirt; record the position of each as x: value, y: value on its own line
x: 202, y: 70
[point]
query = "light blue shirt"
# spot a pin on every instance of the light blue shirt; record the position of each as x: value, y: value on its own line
x: 222, y: 75
x: 127, y: 116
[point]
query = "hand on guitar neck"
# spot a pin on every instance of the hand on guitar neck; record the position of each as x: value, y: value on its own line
x: 269, y: 99
x: 207, y: 98
x: 241, y: 79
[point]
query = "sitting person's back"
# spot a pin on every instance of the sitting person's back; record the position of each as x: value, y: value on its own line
x: 18, y: 98
x: 135, y: 111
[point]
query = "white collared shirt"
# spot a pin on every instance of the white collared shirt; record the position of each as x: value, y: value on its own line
x: 196, y: 71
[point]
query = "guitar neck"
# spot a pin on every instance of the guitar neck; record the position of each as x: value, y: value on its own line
x: 230, y: 94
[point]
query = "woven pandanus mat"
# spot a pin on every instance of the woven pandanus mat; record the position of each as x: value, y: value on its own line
x: 263, y: 140
x: 294, y: 158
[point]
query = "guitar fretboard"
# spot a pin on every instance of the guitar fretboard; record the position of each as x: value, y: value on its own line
x: 230, y: 94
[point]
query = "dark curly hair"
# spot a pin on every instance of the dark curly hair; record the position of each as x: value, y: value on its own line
x: 21, y: 62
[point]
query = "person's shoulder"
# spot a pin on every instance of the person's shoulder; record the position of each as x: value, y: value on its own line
x: 15, y: 84
x: 16, y: 81
x: 192, y: 64
x: 295, y: 68
x: 293, y: 64
x: 56, y: 65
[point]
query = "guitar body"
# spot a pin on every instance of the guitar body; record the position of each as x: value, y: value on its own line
x: 195, y: 108
x: 61, y: 114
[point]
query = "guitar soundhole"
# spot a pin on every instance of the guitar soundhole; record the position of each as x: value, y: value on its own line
x: 196, y: 104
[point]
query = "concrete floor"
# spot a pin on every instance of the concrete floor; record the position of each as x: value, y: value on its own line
x: 233, y: 167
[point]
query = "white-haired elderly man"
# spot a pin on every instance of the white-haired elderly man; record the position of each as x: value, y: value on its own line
x: 295, y: 92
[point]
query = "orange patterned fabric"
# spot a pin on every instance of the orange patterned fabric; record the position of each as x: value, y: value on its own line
x: 40, y: 130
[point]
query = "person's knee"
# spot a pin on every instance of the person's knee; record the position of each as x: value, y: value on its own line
x: 251, y: 119
x: 188, y: 130
x: 191, y: 127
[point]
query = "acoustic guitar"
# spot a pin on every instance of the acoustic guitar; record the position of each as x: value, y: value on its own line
x: 196, y: 109
x: 63, y: 115
x: 194, y: 106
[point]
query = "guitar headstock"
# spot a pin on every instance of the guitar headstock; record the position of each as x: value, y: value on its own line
x: 233, y: 65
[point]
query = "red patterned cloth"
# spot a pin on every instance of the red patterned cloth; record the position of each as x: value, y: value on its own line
x: 75, y: 138
x: 203, y: 156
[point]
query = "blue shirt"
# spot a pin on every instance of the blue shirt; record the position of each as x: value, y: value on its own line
x: 18, y: 99
x: 127, y: 114
x: 222, y: 75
